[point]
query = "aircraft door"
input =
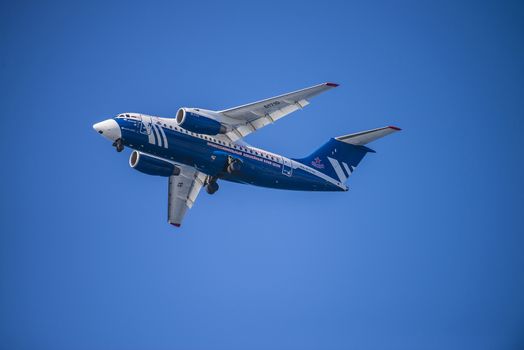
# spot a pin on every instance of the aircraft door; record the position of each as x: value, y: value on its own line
x: 146, y: 124
x: 286, y: 167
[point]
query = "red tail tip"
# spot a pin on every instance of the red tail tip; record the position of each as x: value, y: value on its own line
x: 176, y: 225
x: 332, y: 84
x: 394, y: 128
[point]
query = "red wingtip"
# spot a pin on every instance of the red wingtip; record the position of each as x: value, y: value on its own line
x: 394, y: 128
x: 332, y: 84
x: 176, y: 225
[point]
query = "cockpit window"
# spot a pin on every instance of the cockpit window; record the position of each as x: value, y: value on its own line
x: 127, y: 115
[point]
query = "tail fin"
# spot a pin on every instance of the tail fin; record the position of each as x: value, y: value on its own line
x: 339, y: 157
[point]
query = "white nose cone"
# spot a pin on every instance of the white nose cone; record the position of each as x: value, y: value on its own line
x: 109, y: 129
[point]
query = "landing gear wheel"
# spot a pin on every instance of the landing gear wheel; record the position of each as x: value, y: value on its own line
x: 118, y: 145
x: 212, y: 187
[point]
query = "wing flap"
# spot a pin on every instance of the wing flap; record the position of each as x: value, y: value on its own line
x: 183, y: 189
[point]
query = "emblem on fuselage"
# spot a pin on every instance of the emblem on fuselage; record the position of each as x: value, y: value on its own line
x: 317, y: 163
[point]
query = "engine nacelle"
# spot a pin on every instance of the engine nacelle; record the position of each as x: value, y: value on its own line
x: 198, y: 123
x: 152, y: 166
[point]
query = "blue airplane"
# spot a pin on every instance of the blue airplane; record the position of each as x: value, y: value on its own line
x: 198, y: 147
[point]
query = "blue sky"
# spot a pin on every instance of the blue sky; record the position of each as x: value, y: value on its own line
x: 423, y: 252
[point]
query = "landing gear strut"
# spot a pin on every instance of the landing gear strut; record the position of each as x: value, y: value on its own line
x: 212, y: 185
x: 118, y: 145
x: 234, y: 165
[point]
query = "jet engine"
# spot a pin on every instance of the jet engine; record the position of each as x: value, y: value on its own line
x: 198, y: 123
x: 152, y: 166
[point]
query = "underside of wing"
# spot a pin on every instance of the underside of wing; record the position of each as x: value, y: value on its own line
x: 245, y: 119
x: 183, y: 190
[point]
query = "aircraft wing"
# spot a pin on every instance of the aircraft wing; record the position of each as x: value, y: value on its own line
x: 183, y: 190
x: 245, y: 119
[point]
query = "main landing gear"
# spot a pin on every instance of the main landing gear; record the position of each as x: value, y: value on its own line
x: 234, y: 165
x: 118, y: 145
x: 212, y: 185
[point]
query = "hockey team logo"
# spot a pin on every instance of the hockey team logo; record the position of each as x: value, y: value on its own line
x: 317, y: 163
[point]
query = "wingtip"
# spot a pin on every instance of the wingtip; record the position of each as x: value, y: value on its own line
x: 394, y: 128
x: 332, y: 84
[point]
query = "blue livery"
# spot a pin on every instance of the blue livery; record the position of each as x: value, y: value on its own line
x: 198, y: 148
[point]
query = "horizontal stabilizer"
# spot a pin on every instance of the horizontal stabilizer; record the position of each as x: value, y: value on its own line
x: 364, y: 137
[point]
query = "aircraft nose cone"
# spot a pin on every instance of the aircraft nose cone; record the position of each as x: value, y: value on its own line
x: 97, y: 128
x: 109, y: 129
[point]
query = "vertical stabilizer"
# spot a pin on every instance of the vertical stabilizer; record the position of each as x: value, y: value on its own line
x: 339, y: 157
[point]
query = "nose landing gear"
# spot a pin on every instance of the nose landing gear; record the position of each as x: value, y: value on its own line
x: 118, y: 145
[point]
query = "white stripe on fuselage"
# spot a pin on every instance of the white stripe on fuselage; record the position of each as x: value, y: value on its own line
x: 149, y: 126
x: 338, y: 169
x: 163, y: 136
x: 319, y: 174
x: 157, y: 134
x: 348, y: 170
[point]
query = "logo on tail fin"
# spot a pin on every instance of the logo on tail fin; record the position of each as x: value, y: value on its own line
x: 343, y: 171
x: 317, y: 163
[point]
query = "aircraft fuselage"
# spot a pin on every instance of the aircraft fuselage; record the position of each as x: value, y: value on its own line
x: 162, y: 138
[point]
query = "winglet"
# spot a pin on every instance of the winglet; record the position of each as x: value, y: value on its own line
x: 332, y: 84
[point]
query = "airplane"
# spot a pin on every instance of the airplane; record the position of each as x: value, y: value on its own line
x: 199, y: 147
